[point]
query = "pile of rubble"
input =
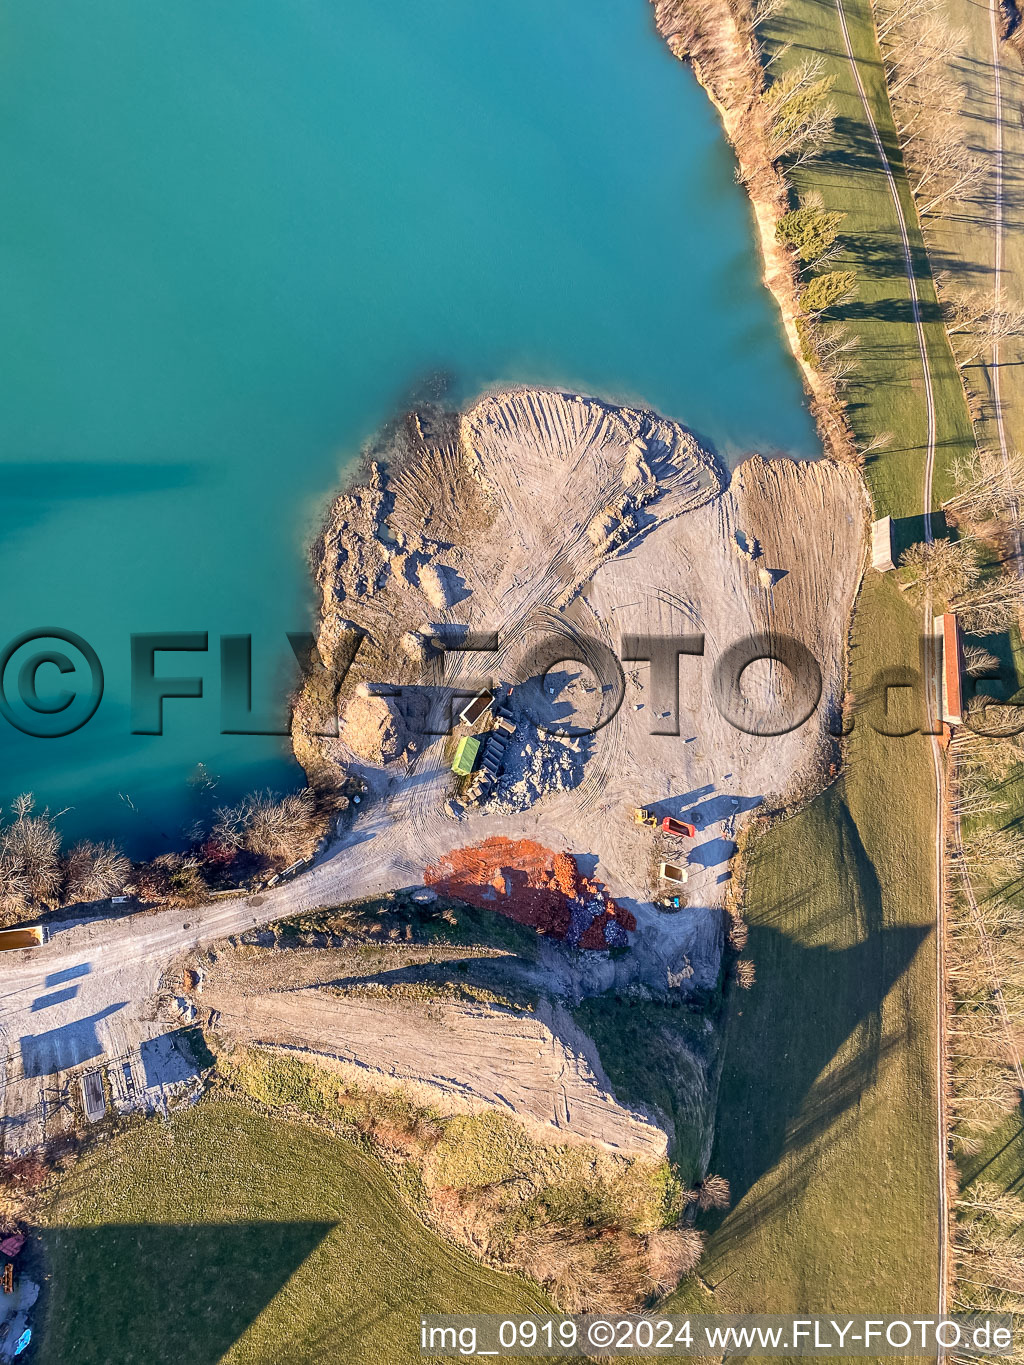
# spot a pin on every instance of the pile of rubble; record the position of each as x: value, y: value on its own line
x: 540, y: 765
x: 535, y: 886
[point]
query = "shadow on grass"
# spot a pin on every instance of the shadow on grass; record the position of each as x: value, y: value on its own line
x: 806, y: 1042
x: 907, y: 531
x: 1001, y: 1159
x: 164, y: 1293
x: 886, y: 310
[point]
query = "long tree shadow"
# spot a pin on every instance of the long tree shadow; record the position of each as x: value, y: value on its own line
x: 786, y: 1092
x: 806, y: 1043
x: 885, y: 310
x: 1001, y: 1159
x: 165, y: 1293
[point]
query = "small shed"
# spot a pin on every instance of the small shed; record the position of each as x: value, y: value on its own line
x: 881, y: 545
x: 466, y: 755
x: 947, y: 632
x: 94, y: 1100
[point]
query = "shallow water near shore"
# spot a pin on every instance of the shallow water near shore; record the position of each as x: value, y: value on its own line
x: 237, y: 238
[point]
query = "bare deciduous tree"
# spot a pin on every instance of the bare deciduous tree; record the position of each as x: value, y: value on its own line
x: 994, y: 856
x: 941, y: 570
x: 948, y: 180
x: 904, y: 12
x: 970, y: 795
x: 989, y: 1250
x: 987, y: 486
x: 713, y: 1192
x: 281, y: 829
x: 29, y: 857
x: 918, y: 51
x: 912, y: 48
x: 745, y: 973
x: 987, y: 754
x: 93, y: 871
x: 993, y: 606
x: 777, y: 55
x: 762, y: 10
x: 882, y: 441
x: 799, y: 117
x: 673, y: 1253
x: 978, y: 321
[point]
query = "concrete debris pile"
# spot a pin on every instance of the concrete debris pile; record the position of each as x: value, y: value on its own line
x: 538, y: 767
x: 534, y: 886
x: 493, y: 753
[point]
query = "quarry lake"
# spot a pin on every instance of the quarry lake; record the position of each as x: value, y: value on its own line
x: 239, y: 238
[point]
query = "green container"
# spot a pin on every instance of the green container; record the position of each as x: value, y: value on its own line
x: 466, y: 755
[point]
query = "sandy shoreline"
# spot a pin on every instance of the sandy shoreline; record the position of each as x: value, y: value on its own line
x: 727, y: 70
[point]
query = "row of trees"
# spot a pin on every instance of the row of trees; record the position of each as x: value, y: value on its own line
x: 949, y: 575
x: 785, y: 118
x: 919, y: 47
x: 984, y: 918
x: 812, y: 233
x: 262, y: 833
x: 799, y: 119
x: 986, y: 928
x: 985, y: 1027
x: 988, y: 1250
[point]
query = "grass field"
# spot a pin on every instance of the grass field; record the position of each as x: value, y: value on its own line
x: 826, y: 1117
x: 229, y: 1235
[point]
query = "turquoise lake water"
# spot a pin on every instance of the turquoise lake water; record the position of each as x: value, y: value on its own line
x: 237, y: 236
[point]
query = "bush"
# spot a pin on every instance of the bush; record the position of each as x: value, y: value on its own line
x: 280, y: 829
x: 94, y: 871
x: 29, y: 861
x: 810, y: 230
x: 171, y: 879
x: 828, y: 291
x: 672, y: 1254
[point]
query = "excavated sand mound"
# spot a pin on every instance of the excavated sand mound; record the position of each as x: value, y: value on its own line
x: 373, y: 728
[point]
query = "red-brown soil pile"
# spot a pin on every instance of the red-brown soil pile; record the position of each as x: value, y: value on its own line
x: 535, y: 886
